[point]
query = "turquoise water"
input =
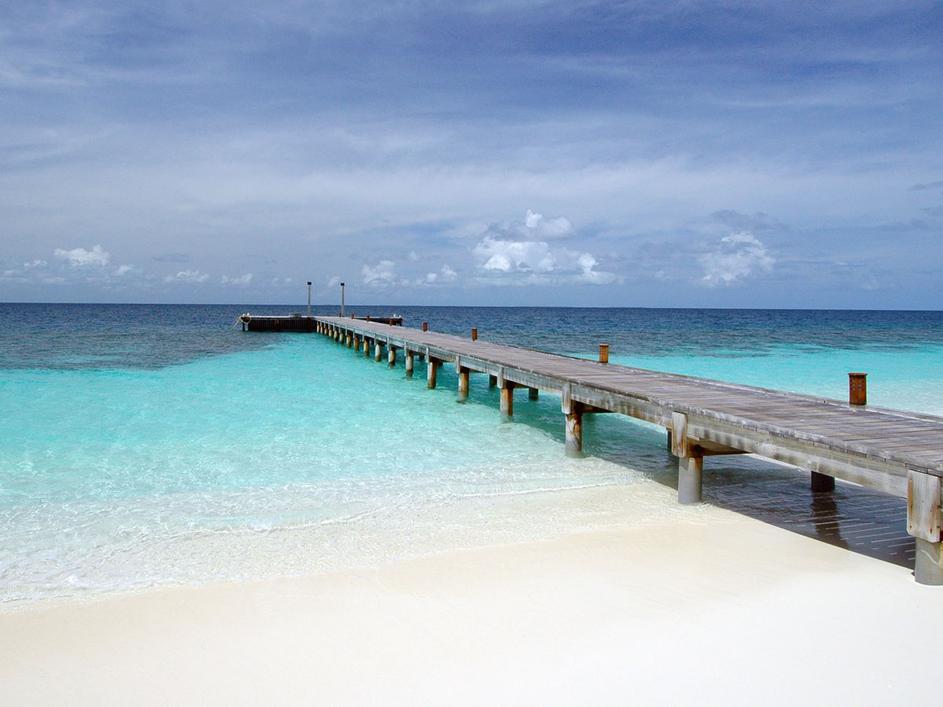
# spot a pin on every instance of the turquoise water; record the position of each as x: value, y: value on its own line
x: 194, y: 453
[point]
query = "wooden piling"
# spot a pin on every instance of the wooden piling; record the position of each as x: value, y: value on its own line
x: 533, y: 393
x: 378, y: 351
x: 573, y: 424
x: 822, y: 482
x: 924, y: 520
x: 366, y: 347
x: 432, y: 367
x: 391, y: 356
x: 690, y: 460
x: 857, y: 388
x: 410, y: 363
x: 507, y: 398
x: 463, y: 382
x: 492, y: 381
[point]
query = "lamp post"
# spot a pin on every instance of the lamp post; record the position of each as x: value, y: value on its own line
x: 342, y: 299
x: 309, y: 298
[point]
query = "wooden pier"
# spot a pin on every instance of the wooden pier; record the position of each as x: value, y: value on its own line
x: 899, y: 453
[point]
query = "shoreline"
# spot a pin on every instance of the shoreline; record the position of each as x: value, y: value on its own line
x: 662, y: 610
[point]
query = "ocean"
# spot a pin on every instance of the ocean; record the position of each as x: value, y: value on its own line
x: 152, y: 445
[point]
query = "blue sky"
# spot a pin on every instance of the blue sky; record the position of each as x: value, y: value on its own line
x: 618, y: 154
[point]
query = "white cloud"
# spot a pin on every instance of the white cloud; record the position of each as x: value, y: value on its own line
x: 191, y: 276
x: 445, y: 274
x: 33, y: 264
x: 546, y: 228
x: 413, y: 256
x: 239, y: 280
x: 123, y: 270
x: 379, y: 275
x: 334, y: 281
x: 735, y: 257
x: 506, y: 256
x: 588, y: 273
x: 80, y: 257
x: 538, y: 262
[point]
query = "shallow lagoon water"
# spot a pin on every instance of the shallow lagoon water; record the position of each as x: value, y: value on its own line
x: 139, y: 450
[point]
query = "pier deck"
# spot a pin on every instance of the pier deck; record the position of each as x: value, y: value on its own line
x: 900, y: 453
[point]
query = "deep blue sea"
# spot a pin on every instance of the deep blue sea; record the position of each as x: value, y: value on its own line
x: 146, y: 445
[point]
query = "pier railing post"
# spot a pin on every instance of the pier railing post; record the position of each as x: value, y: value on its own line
x: 604, y: 353
x: 690, y: 460
x: 924, y: 503
x: 425, y: 326
x: 474, y: 334
x: 573, y: 424
x: 857, y: 388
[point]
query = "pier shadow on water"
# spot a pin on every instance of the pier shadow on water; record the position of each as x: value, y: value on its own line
x: 858, y: 519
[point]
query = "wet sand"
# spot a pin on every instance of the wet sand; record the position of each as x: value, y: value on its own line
x: 725, y: 610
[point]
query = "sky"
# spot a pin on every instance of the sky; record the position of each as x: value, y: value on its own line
x: 650, y: 153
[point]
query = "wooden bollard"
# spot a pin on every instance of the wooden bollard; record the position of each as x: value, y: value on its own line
x: 425, y: 326
x: 604, y: 353
x: 857, y: 388
x: 474, y: 334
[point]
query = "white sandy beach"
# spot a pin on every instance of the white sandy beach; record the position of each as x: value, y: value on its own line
x: 727, y: 612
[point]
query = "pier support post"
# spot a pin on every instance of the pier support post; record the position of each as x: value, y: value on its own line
x: 391, y: 356
x: 507, y: 398
x: 689, y: 479
x: 350, y: 340
x: 532, y: 393
x: 668, y: 435
x: 432, y: 367
x: 923, y: 522
x: 366, y: 346
x: 377, y: 350
x: 690, y: 460
x: 822, y: 482
x: 463, y: 380
x: 356, y: 342
x: 573, y: 420
x: 492, y: 381
x: 410, y: 363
